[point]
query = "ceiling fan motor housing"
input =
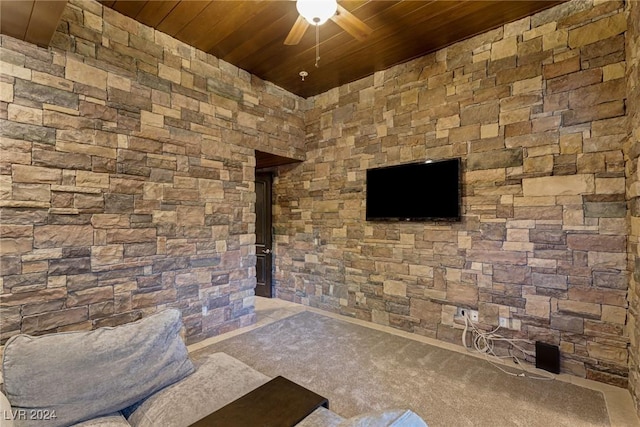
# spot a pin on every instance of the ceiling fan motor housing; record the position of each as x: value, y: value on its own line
x: 317, y: 12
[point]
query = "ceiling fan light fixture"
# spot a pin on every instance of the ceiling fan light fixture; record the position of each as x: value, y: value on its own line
x: 317, y: 12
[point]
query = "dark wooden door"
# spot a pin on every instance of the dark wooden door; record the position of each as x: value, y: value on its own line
x: 264, y: 236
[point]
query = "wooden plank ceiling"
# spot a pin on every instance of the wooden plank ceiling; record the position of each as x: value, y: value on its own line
x: 32, y: 20
x: 250, y: 34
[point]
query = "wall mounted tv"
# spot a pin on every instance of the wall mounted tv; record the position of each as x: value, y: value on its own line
x: 425, y: 191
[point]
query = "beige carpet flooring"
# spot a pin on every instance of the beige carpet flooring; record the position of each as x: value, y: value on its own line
x: 361, y: 369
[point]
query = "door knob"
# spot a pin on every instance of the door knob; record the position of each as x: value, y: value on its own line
x: 266, y: 251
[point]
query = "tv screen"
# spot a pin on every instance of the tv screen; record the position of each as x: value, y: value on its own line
x: 423, y: 191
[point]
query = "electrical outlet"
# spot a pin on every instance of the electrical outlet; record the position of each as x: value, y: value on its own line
x: 471, y: 314
x: 504, y: 322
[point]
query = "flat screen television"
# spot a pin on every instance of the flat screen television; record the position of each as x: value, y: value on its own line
x: 425, y: 191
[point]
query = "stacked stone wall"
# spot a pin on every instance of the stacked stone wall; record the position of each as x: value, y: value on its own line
x: 127, y: 177
x: 632, y: 152
x: 536, y: 109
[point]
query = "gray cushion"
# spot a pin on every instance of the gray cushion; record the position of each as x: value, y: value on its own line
x: 83, y: 375
x: 219, y: 380
x: 389, y: 418
x: 114, y: 420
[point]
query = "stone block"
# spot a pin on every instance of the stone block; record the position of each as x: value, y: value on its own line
x: 554, y: 237
x: 556, y: 39
x: 18, y: 245
x: 538, y: 306
x: 538, y: 31
x: 556, y: 102
x: 395, y: 288
x: 605, y: 209
x: 132, y: 235
x: 52, y: 320
x: 106, y: 255
x: 597, y: 328
x: 572, y: 81
x: 581, y: 309
x: 533, y: 84
x: 611, y: 297
x: 610, y: 185
x: 22, y: 114
x: 557, y: 69
x: 567, y: 323
x: 32, y: 192
x: 93, y: 110
x: 87, y: 149
x: 594, y: 242
x: 86, y: 74
x: 69, y: 266
x: 110, y: 221
x: 599, y: 93
x: 462, y: 294
x: 152, y: 299
x: 550, y: 281
x: 125, y: 186
x: 118, y: 203
x: 601, y: 29
x: 591, y: 163
x: 519, y: 116
x: 615, y: 354
x: 531, y: 140
x: 28, y: 132
x: 140, y: 249
x: 6, y: 92
x: 56, y: 159
x: 25, y: 282
x: 606, y: 260
x: 448, y: 122
x: 55, y: 236
x: 610, y: 279
x: 90, y: 296
x: 598, y: 112
x: 539, y: 165
x: 45, y: 94
x: 612, y: 314
x: 613, y: 71
x: 511, y: 274
x: 504, y: 48
x: 558, y: 185
x: 607, y: 378
x: 32, y: 297
x: 495, y: 159
x: 92, y: 179
x: 482, y: 113
x: 190, y: 215
x: 612, y: 142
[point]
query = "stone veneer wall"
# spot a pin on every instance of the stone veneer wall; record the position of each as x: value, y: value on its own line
x: 633, y: 195
x: 536, y: 110
x: 127, y: 177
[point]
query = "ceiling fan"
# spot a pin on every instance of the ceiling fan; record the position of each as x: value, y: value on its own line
x: 317, y: 12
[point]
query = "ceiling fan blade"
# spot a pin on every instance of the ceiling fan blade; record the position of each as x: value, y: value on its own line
x: 297, y: 31
x: 351, y: 24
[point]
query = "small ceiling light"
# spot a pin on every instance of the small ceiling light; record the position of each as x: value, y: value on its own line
x: 317, y: 12
x: 303, y: 74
